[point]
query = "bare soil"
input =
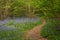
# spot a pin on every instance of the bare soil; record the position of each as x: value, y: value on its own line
x: 34, y: 34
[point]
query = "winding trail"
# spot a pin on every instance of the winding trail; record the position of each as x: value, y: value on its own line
x: 34, y: 34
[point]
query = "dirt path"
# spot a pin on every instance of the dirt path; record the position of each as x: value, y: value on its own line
x: 34, y: 34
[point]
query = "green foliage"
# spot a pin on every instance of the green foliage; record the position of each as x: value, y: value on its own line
x: 11, y: 22
x: 43, y: 8
x: 50, y: 8
x: 18, y: 33
x: 18, y: 8
x: 51, y: 30
x: 11, y: 8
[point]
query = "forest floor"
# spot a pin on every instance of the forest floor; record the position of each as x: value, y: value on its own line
x: 34, y: 34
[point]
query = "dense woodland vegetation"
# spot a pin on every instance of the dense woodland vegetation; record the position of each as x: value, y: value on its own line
x: 47, y: 9
x: 18, y: 8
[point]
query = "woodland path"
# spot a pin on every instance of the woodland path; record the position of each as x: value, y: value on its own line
x: 34, y: 34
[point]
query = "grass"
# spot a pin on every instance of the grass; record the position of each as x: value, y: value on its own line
x: 17, y: 34
x: 51, y: 30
